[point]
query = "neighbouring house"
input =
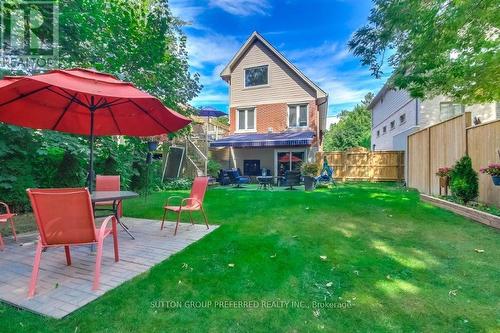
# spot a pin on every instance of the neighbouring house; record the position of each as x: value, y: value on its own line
x: 277, y: 114
x: 395, y: 115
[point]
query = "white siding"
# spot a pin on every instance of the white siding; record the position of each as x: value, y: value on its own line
x: 429, y: 113
x: 388, y: 109
x: 284, y: 85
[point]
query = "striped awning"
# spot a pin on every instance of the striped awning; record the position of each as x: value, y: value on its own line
x: 290, y: 138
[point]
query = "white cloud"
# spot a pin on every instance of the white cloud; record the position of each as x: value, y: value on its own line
x: 212, y: 48
x: 243, y: 7
x: 324, y: 64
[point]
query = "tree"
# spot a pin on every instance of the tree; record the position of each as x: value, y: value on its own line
x: 435, y: 47
x: 352, y: 130
x: 137, y: 41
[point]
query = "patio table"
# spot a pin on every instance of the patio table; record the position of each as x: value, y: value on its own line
x: 115, y: 197
x: 265, y: 181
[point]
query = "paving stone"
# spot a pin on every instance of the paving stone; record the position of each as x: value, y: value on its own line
x: 62, y: 289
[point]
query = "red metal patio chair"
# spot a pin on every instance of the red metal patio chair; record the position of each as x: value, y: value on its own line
x: 108, y: 183
x: 193, y: 203
x: 4, y: 218
x: 65, y: 218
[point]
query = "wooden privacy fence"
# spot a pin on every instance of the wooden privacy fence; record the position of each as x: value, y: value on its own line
x: 362, y: 164
x: 442, y: 144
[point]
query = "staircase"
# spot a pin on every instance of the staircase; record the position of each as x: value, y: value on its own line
x: 196, y: 159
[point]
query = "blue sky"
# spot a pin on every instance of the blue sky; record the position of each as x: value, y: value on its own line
x: 312, y: 34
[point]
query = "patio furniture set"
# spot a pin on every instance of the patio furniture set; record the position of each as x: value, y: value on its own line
x: 66, y: 217
x: 266, y: 180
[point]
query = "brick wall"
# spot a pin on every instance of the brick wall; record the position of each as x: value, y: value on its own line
x: 275, y: 116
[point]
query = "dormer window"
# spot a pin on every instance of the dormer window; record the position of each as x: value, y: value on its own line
x: 256, y: 76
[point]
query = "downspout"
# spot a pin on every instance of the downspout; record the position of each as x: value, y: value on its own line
x: 320, y: 139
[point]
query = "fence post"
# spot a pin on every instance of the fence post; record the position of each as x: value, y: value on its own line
x: 370, y: 166
x: 344, y: 162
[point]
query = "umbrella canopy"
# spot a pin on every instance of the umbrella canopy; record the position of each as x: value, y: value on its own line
x: 286, y: 159
x: 66, y: 100
x: 208, y: 111
x: 85, y: 102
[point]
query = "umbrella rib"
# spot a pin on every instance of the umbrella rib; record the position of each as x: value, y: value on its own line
x: 70, y: 97
x: 64, y: 112
x: 114, y: 120
x: 23, y: 95
x: 150, y: 116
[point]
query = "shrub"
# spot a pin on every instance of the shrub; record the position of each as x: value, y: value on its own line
x: 464, y: 180
x: 213, y: 168
x: 176, y: 184
x: 309, y: 169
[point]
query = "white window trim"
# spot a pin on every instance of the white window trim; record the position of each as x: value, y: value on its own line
x: 298, y: 114
x: 289, y: 150
x: 237, y: 130
x: 260, y: 85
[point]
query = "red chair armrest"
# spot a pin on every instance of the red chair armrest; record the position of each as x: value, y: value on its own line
x: 102, y: 229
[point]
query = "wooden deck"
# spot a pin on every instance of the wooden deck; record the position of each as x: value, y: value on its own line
x: 62, y: 289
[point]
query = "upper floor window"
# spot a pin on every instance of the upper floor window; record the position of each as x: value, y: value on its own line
x: 393, y: 125
x: 246, y: 119
x: 256, y: 76
x: 378, y: 133
x: 384, y: 129
x: 297, y: 115
x: 402, y: 119
x: 448, y: 110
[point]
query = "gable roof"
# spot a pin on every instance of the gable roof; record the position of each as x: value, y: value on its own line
x: 226, y: 72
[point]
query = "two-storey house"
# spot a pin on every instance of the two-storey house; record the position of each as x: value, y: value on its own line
x: 277, y: 114
x: 395, y: 115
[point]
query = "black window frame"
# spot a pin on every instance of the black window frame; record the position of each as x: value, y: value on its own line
x: 259, y: 84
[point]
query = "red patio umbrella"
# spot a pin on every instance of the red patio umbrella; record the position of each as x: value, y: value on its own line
x: 85, y: 102
x: 286, y: 158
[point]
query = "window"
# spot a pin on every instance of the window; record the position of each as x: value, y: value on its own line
x: 402, y: 119
x: 246, y: 119
x: 448, y: 110
x: 256, y: 76
x: 297, y: 115
x: 393, y: 125
x: 384, y: 129
x: 378, y: 133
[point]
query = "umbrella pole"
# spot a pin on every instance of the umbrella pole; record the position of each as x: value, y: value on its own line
x: 91, y: 157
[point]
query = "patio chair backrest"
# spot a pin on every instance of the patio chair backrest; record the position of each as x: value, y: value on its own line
x: 107, y: 183
x: 292, y: 177
x: 198, y: 190
x: 63, y: 216
x: 233, y: 174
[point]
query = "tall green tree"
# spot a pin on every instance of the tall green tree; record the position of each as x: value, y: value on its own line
x: 136, y: 40
x: 352, y: 130
x: 448, y: 47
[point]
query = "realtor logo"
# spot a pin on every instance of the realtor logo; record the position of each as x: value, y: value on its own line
x: 29, y: 35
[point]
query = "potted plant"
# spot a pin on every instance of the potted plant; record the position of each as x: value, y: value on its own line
x: 493, y: 170
x: 444, y: 179
x: 309, y: 171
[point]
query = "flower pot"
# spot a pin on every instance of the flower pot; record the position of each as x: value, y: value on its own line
x: 496, y: 180
x: 152, y: 145
x: 444, y: 181
x: 309, y: 183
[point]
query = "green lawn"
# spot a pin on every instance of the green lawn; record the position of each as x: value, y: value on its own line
x: 392, y: 264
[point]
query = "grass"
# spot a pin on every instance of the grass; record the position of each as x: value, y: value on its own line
x: 392, y: 264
